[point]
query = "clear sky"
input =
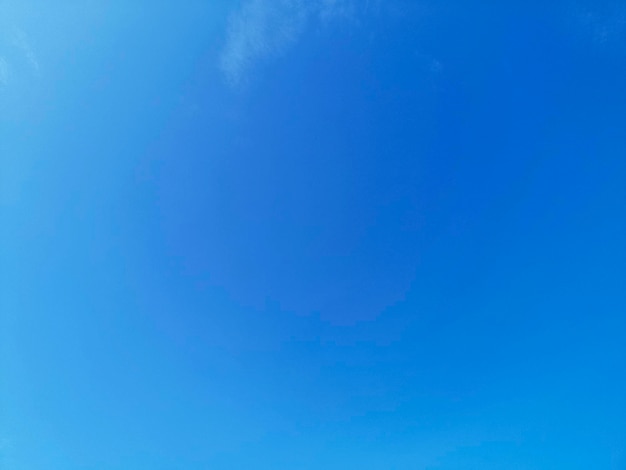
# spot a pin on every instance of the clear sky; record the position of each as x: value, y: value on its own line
x: 313, y: 234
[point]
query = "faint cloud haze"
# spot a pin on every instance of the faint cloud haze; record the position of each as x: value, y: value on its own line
x: 18, y: 54
x: 4, y: 72
x: 262, y: 29
x: 20, y: 40
x: 337, y: 9
x: 605, y: 24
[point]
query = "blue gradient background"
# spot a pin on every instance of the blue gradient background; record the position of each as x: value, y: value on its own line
x: 395, y: 240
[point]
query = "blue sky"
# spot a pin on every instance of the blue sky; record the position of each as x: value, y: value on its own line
x: 312, y: 234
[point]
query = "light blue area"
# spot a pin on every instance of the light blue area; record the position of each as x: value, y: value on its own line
x: 312, y: 235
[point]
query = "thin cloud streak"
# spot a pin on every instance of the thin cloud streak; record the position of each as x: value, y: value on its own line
x: 263, y: 29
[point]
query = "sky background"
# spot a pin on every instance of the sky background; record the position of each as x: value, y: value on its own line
x: 323, y: 234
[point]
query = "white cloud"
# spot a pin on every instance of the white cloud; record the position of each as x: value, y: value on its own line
x: 261, y: 29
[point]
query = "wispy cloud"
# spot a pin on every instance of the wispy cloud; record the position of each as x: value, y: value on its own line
x: 20, y: 40
x: 262, y: 29
x: 605, y: 24
x: 19, y: 57
x: 329, y: 10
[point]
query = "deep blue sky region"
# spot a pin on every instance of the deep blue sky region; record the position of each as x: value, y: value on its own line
x: 323, y: 234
